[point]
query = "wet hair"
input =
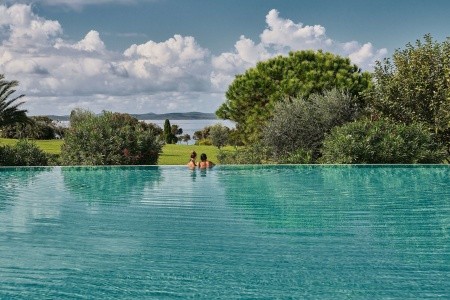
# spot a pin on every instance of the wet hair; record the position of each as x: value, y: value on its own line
x: 193, y: 154
x: 203, y: 156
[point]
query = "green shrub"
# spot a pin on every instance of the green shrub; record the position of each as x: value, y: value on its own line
x: 298, y: 157
x: 254, y: 154
x: 38, y: 128
x: 381, y: 141
x: 302, y: 123
x: 24, y: 153
x: 204, y: 142
x: 109, y: 139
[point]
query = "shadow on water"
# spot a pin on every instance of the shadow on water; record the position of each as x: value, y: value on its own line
x: 13, y: 179
x: 109, y: 185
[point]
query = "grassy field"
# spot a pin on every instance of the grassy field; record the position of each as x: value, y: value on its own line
x: 171, y: 155
x: 179, y: 154
x: 48, y: 146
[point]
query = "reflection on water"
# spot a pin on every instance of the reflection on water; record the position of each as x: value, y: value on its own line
x: 388, y: 225
x: 14, y: 179
x: 18, y: 187
x: 254, y: 232
x: 109, y: 184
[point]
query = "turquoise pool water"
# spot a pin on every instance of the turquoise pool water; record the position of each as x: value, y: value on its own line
x: 286, y: 232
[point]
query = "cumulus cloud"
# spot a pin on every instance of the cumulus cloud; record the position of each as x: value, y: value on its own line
x: 284, y: 33
x: 282, y: 36
x: 58, y: 74
x: 25, y: 29
x: 78, y: 4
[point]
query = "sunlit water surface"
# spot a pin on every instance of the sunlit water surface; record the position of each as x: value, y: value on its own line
x: 230, y: 232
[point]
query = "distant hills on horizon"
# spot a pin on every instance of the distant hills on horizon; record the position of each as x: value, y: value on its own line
x: 152, y: 116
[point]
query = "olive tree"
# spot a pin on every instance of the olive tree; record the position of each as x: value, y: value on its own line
x: 219, y: 135
x: 299, y: 125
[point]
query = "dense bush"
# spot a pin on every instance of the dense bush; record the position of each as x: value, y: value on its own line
x: 109, y: 139
x: 299, y: 125
x: 38, y: 128
x: 414, y: 87
x: 297, y: 157
x: 24, y: 153
x: 204, y: 142
x: 381, y: 141
x: 252, y: 154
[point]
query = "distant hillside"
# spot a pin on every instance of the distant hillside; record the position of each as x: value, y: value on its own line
x: 176, y: 116
x: 151, y: 116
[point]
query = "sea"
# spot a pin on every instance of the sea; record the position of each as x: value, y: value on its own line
x: 191, y: 126
x: 188, y: 126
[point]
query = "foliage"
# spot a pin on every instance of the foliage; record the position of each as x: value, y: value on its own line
x: 23, y: 153
x: 219, y: 135
x: 202, y: 134
x: 299, y: 156
x: 169, y: 135
x: 234, y: 138
x: 381, y: 141
x: 415, y: 87
x: 109, y: 139
x: 9, y: 107
x: 251, y: 154
x: 299, y: 125
x: 39, y: 128
x: 186, y: 138
x: 251, y: 97
x: 204, y: 142
x: 176, y: 130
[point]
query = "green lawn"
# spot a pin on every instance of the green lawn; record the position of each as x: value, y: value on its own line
x: 179, y: 154
x: 171, y: 155
x: 48, y: 146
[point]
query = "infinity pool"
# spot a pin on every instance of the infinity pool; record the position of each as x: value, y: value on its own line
x: 285, y: 232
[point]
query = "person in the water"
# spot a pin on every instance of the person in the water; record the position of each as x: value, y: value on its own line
x: 192, y: 163
x: 204, y: 162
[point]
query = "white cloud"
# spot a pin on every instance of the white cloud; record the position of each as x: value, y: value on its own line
x: 79, y: 4
x: 58, y: 74
x: 366, y: 55
x: 26, y: 30
x: 280, y: 37
x: 284, y: 33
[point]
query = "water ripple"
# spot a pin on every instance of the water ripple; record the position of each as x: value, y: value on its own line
x: 231, y: 233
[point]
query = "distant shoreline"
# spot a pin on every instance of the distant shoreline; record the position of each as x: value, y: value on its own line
x: 153, y: 116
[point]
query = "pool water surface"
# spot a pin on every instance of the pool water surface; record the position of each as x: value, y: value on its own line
x: 252, y: 232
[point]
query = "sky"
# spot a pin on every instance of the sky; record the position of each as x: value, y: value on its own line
x: 139, y: 56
